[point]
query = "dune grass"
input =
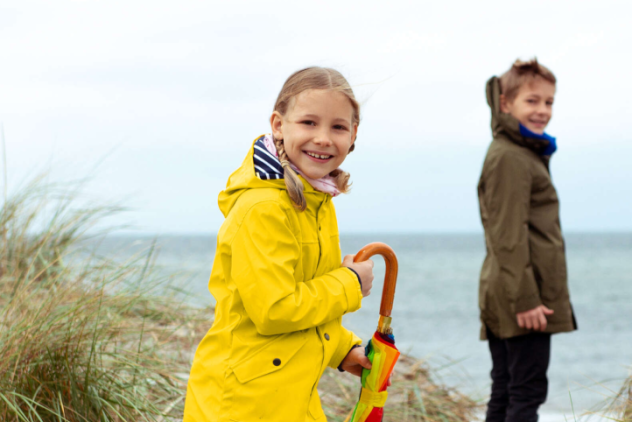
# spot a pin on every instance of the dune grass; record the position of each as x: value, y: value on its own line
x: 84, y: 339
x: 619, y: 407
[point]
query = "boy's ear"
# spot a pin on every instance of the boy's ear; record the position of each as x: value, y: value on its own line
x: 276, y: 124
x: 503, y: 104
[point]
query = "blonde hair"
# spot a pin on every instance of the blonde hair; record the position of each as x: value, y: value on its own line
x: 521, y: 73
x: 312, y: 78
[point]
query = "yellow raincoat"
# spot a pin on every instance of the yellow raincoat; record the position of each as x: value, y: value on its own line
x: 281, y: 294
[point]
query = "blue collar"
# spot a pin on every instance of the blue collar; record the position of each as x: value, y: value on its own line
x: 545, y: 137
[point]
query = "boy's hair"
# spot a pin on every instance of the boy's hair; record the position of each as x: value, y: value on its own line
x: 312, y: 78
x: 522, y: 73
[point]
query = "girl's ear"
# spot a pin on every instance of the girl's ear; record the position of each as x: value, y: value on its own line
x: 276, y: 124
x: 354, y: 133
x: 503, y: 104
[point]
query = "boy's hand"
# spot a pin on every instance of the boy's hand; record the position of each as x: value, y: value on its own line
x: 355, y: 361
x: 535, y: 319
x: 364, y: 270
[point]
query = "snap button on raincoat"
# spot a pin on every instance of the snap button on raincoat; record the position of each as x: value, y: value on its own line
x: 281, y: 294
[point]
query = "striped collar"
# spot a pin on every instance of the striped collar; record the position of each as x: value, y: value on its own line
x: 267, y: 165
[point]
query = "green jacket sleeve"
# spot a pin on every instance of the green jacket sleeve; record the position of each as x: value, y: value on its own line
x: 508, y: 193
x: 265, y: 253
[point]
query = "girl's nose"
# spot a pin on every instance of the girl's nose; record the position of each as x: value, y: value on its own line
x: 322, y: 139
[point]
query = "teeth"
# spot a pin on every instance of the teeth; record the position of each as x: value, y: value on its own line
x: 323, y: 157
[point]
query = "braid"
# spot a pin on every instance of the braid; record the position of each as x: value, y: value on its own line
x: 341, y: 178
x: 292, y: 182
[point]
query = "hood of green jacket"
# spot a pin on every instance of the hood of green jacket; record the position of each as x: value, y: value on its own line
x: 506, y: 124
x: 244, y: 179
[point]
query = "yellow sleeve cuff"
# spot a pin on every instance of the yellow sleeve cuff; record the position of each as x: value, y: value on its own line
x: 352, y: 288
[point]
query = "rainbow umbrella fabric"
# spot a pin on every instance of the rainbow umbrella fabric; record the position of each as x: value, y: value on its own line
x: 383, y: 355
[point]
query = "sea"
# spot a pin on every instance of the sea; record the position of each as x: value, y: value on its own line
x: 435, y: 314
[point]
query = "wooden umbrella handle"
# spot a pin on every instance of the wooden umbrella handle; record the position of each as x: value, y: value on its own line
x: 390, y: 279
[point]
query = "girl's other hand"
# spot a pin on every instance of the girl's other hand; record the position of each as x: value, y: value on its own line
x: 355, y: 361
x: 364, y: 270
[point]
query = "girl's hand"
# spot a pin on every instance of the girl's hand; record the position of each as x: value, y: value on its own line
x: 364, y: 270
x: 355, y: 361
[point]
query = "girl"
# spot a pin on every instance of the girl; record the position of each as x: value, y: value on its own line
x: 280, y: 288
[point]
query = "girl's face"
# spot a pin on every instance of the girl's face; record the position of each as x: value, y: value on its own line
x: 317, y: 130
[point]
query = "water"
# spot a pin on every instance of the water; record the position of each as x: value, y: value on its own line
x: 435, y: 315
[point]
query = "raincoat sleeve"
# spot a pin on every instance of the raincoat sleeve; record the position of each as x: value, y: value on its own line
x: 508, y: 192
x: 347, y: 340
x: 265, y: 254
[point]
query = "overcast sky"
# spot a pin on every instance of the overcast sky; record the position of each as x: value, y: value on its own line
x: 159, y: 101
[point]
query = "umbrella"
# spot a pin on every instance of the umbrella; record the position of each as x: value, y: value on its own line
x: 381, y: 349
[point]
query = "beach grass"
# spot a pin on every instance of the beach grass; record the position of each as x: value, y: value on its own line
x: 619, y: 407
x: 86, y: 338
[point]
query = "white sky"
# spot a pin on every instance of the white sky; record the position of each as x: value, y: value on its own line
x: 159, y: 101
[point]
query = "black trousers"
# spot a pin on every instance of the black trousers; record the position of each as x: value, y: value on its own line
x: 519, y: 383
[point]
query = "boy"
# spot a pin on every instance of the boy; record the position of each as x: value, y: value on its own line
x: 523, y: 292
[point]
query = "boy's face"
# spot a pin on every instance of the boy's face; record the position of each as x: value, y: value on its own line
x: 533, y: 105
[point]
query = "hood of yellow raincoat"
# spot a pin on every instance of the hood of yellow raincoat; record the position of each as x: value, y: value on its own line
x: 244, y: 178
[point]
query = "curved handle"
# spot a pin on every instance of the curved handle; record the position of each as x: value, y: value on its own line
x: 390, y: 279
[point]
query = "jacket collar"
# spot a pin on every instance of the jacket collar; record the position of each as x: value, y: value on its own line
x: 245, y: 178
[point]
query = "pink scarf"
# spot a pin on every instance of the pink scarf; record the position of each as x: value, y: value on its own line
x: 325, y: 184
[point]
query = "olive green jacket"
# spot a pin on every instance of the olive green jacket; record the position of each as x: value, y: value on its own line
x: 526, y: 263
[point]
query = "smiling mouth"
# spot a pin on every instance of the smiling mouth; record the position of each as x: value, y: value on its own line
x: 320, y: 157
x: 536, y: 122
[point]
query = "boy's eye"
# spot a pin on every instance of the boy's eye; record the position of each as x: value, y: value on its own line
x: 309, y: 122
x: 340, y: 127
